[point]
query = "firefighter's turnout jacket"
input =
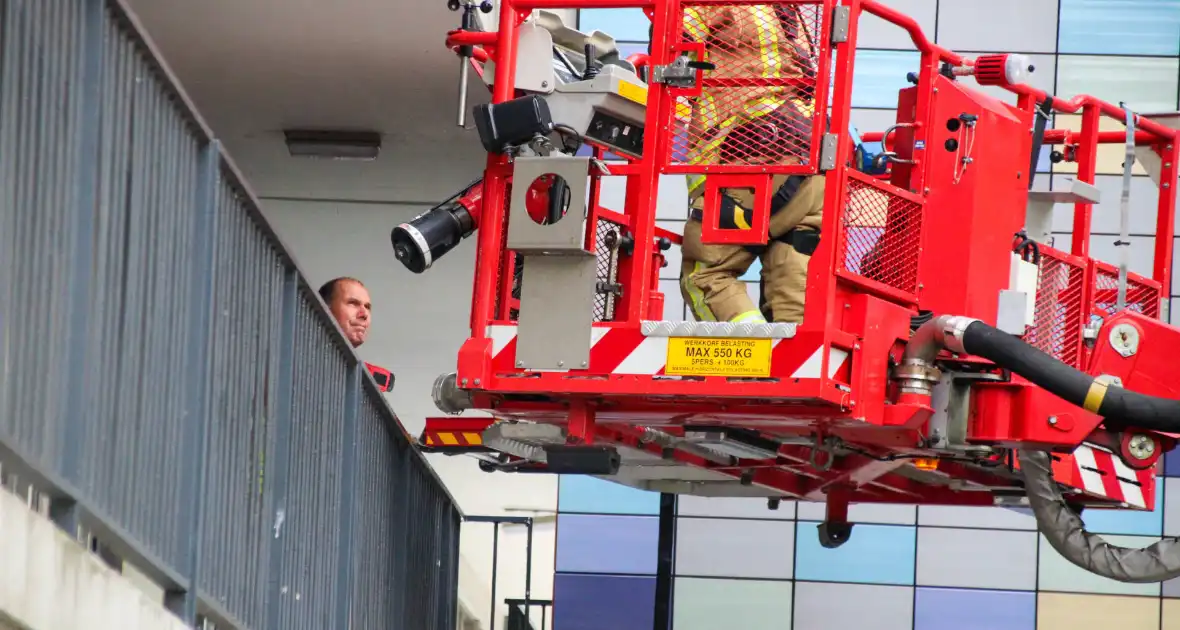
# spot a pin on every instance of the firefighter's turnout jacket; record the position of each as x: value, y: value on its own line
x: 752, y: 125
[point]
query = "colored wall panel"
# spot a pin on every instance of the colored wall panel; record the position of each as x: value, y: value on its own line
x: 1170, y: 497
x: 1059, y: 611
x: 821, y: 606
x: 607, y: 544
x: 1171, y: 614
x: 977, y: 558
x: 1147, y: 84
x: 969, y: 25
x: 879, y: 74
x: 733, y: 507
x: 1172, y: 458
x: 583, y: 493
x: 706, y: 604
x: 876, y: 554
x: 873, y: 32
x: 1120, y: 27
x: 1058, y: 574
x: 580, y: 602
x: 989, y: 517
x: 883, y: 513
x: 958, y: 609
x: 625, y: 25
x: 735, y: 548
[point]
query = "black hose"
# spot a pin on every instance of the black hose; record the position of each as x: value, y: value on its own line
x: 1118, y: 406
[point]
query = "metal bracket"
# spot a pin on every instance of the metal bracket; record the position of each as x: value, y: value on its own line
x: 679, y: 73
x: 841, y: 19
x: 827, y: 154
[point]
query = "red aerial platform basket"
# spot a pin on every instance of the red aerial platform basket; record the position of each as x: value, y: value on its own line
x: 902, y: 383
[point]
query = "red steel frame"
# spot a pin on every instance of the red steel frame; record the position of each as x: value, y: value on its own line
x: 607, y: 407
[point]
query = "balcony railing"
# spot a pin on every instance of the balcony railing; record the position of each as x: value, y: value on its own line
x: 170, y: 382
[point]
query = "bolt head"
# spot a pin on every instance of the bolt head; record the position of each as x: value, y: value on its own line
x: 1052, y: 419
x: 1141, y: 446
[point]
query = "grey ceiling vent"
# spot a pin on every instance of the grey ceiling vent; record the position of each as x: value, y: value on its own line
x: 334, y: 145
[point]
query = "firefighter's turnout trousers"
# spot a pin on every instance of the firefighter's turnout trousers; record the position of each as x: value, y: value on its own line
x: 709, y: 273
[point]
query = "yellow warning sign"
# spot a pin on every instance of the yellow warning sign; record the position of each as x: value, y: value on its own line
x: 633, y: 92
x: 696, y: 356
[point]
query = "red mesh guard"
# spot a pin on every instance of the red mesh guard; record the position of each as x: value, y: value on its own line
x: 882, y: 233
x: 756, y: 106
x: 1058, y: 321
x: 1143, y: 294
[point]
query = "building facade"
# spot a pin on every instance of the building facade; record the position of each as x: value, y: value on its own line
x: 738, y: 564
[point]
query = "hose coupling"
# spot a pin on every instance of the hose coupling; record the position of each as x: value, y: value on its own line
x: 448, y: 397
x: 917, y: 376
x: 953, y: 329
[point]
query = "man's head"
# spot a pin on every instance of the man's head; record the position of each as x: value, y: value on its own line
x: 349, y: 302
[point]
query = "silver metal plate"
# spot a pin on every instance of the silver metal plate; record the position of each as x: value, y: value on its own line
x: 567, y: 235
x: 718, y: 329
x: 841, y: 18
x: 827, y: 155
x: 556, y: 312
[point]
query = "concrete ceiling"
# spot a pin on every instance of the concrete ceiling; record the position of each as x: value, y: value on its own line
x: 255, y: 67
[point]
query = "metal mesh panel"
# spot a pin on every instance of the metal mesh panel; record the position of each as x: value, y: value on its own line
x: 40, y: 68
x: 757, y: 104
x: 606, y: 251
x: 1058, y: 319
x: 882, y: 234
x: 375, y: 543
x: 238, y: 516
x: 142, y: 304
x: 310, y: 533
x: 1143, y: 294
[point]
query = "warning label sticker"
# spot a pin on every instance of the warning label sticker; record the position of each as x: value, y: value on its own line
x: 694, y: 356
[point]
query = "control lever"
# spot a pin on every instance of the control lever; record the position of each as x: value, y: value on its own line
x: 466, y: 23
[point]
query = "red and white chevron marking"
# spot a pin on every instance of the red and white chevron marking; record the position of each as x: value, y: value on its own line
x: 629, y: 351
x: 1100, y: 472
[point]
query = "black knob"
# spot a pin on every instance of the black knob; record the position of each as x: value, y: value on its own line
x: 486, y: 6
x: 951, y: 145
x: 453, y: 5
x: 953, y: 124
x: 663, y: 244
x: 912, y: 77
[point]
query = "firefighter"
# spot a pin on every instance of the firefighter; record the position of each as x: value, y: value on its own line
x: 752, y: 125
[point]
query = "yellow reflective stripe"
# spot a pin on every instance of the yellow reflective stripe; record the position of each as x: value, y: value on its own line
x: 696, y: 297
x: 766, y: 22
x: 739, y: 217
x: 748, y: 317
x: 695, y: 25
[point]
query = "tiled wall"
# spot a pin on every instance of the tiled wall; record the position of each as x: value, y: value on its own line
x: 740, y: 565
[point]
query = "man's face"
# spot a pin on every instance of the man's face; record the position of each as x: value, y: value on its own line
x: 351, y: 308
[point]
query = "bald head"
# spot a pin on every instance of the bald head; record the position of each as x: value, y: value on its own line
x: 349, y: 302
